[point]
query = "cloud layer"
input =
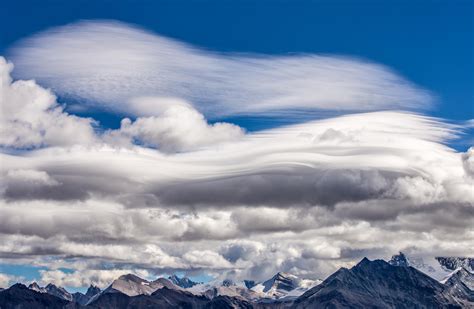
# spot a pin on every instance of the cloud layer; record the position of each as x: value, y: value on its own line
x: 112, y: 63
x: 168, y: 191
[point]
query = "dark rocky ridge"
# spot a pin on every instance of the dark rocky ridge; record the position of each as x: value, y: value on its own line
x: 452, y: 263
x: 377, y: 284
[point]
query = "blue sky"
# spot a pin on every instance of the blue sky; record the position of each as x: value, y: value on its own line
x: 428, y: 42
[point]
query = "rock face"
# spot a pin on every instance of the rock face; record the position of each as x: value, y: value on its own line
x: 461, y: 282
x: 35, y: 287
x: 399, y: 260
x: 377, y: 284
x: 280, y: 282
x: 83, y: 299
x: 132, y: 285
x: 167, y: 298
x: 283, y: 285
x: 249, y: 283
x: 277, y: 286
x: 430, y: 267
x: 442, y: 269
x: 184, y: 282
x: 19, y: 296
x: 92, y: 290
x: 52, y: 289
x: 453, y: 263
x: 58, y: 292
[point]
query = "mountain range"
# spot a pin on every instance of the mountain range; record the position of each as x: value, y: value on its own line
x: 402, y: 282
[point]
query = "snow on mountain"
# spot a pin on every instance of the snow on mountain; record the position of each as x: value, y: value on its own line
x: 132, y: 285
x: 443, y: 269
x: 58, y: 292
x: 430, y: 267
x: 226, y: 287
x: 35, y: 287
x: 277, y: 286
x: 453, y: 263
x: 377, y: 284
x: 284, y: 285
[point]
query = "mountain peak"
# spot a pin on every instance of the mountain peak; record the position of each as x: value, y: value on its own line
x: 280, y: 281
x: 92, y: 290
x: 20, y: 286
x: 35, y: 287
x: 58, y: 292
x: 376, y: 284
x: 131, y: 277
x: 452, y: 263
x: 133, y: 285
x: 183, y: 282
x: 228, y: 282
x: 249, y: 283
x: 282, y: 274
x: 399, y: 259
x: 363, y: 262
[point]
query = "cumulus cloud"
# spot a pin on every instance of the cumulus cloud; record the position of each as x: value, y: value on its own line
x: 6, y: 280
x: 31, y: 117
x: 177, y: 126
x: 468, y: 161
x: 98, y: 277
x: 113, y: 63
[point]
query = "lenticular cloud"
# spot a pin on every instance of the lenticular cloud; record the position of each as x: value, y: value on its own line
x: 112, y: 63
x: 168, y: 191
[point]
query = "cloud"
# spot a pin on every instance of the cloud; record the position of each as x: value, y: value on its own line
x: 468, y: 161
x: 169, y: 191
x: 31, y: 117
x: 98, y: 277
x: 178, y: 127
x: 6, y: 280
x: 112, y: 63
x: 382, y: 157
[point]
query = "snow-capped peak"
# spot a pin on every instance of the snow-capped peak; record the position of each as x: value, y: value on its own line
x: 35, y: 287
x: 133, y: 285
x: 283, y: 285
x: 439, y: 268
x: 452, y: 263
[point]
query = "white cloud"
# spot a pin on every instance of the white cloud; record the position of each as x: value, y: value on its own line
x: 6, y: 280
x: 177, y: 127
x: 98, y: 277
x: 468, y: 161
x: 206, y: 259
x: 381, y: 156
x: 113, y: 63
x: 31, y: 117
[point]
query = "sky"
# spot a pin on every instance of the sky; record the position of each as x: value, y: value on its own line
x: 232, y: 139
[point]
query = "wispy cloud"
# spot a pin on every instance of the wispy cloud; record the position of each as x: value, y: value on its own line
x: 111, y: 63
x: 304, y: 198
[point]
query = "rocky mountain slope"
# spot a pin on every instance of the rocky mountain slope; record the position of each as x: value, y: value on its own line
x: 183, y: 282
x: 377, y: 284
